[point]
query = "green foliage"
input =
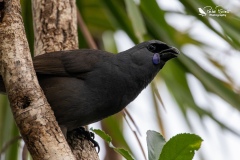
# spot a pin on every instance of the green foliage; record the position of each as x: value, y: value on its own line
x: 108, y: 139
x: 181, y: 147
x: 8, y: 131
x: 136, y: 19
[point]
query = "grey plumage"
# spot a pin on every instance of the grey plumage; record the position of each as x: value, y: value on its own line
x: 85, y: 86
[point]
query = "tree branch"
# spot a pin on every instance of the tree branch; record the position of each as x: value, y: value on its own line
x: 55, y: 29
x: 31, y: 111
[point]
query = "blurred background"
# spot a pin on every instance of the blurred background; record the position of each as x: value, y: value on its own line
x: 196, y: 93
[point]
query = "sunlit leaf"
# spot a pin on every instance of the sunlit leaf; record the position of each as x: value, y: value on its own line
x: 181, y: 147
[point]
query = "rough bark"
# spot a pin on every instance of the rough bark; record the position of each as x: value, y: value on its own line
x: 31, y: 111
x: 55, y: 28
x: 55, y: 25
x: 81, y: 147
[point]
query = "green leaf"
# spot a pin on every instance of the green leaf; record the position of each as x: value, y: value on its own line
x: 181, y: 147
x: 124, y: 153
x: 119, y: 18
x: 136, y: 19
x: 212, y: 83
x: 103, y: 135
x: 155, y: 143
x: 108, y: 139
x: 109, y: 42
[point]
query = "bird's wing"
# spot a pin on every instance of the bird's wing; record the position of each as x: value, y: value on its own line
x: 68, y: 63
x: 49, y: 63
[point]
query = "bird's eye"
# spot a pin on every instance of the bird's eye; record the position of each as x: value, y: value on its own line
x: 156, y: 58
x: 151, y: 47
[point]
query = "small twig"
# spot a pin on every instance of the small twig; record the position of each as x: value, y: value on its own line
x: 25, y: 152
x: 158, y: 111
x: 132, y: 120
x: 85, y: 31
x: 156, y: 92
x: 9, y: 143
x: 135, y: 133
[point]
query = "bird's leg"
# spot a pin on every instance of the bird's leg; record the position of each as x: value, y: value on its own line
x: 88, y: 135
x: 82, y: 132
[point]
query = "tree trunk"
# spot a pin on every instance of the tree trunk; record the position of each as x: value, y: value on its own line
x: 55, y: 29
x: 55, y: 25
x: 31, y: 111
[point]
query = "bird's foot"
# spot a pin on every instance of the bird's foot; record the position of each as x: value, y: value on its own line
x: 89, y: 136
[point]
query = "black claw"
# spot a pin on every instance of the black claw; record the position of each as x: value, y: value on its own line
x: 95, y: 144
x: 92, y: 135
x: 89, y: 136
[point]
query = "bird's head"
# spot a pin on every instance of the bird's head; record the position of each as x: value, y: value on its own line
x: 141, y: 63
x: 152, y: 53
x: 145, y: 60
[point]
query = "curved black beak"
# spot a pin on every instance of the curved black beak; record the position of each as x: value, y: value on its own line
x: 169, y: 53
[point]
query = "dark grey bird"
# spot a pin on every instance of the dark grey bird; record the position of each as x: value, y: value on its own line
x: 85, y: 86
